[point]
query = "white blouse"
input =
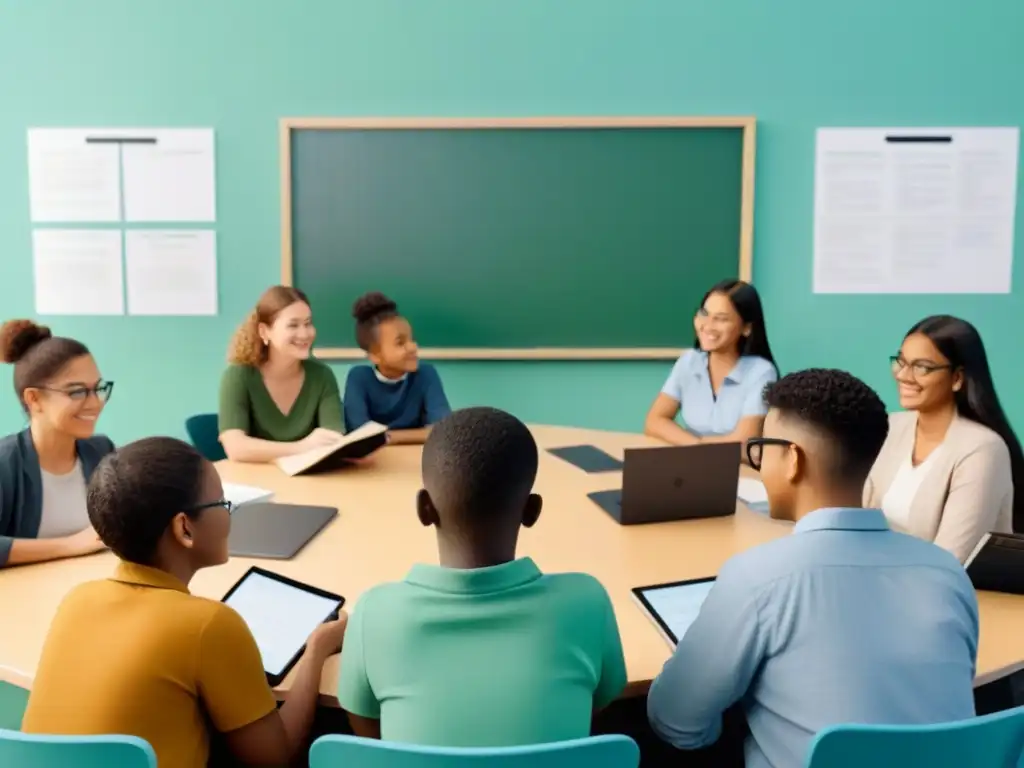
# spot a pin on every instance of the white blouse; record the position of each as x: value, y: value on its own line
x: 900, y: 496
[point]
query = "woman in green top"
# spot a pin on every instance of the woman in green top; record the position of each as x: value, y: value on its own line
x: 275, y: 400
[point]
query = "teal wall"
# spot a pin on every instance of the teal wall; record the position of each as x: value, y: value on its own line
x: 239, y: 65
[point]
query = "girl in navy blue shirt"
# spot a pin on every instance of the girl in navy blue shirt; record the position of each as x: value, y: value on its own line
x: 397, y: 390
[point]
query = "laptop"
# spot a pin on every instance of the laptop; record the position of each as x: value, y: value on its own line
x: 275, y: 531
x: 686, y: 482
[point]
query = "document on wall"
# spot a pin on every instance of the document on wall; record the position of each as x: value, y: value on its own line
x: 171, y: 272
x: 72, y: 179
x: 915, y: 210
x: 78, y: 272
x: 171, y: 178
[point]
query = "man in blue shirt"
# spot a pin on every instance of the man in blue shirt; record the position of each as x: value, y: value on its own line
x: 844, y: 621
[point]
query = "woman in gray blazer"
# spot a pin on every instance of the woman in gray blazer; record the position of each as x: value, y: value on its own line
x: 45, y: 468
x: 949, y: 466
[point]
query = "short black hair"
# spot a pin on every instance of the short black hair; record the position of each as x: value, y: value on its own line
x: 843, y: 409
x: 370, y: 310
x: 478, y: 464
x: 137, y: 490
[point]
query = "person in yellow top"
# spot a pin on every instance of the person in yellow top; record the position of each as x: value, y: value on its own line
x: 136, y: 654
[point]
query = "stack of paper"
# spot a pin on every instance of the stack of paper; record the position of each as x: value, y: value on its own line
x: 752, y: 493
x: 245, y: 494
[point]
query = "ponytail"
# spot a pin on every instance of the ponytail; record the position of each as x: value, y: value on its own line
x: 247, y: 348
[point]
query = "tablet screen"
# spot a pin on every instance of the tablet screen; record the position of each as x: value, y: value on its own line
x: 281, y: 615
x: 675, y: 606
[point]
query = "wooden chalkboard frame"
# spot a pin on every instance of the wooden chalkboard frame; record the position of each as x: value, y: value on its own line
x: 745, y: 261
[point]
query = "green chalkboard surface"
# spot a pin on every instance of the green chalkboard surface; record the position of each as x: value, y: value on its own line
x: 516, y: 239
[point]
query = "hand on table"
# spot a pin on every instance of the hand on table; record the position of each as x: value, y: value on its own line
x: 318, y: 438
x: 85, y: 542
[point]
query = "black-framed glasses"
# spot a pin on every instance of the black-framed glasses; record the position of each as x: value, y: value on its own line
x: 102, y: 391
x: 223, y: 503
x: 755, y: 446
x: 919, y: 368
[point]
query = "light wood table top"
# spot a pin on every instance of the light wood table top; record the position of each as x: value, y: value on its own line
x: 377, y: 538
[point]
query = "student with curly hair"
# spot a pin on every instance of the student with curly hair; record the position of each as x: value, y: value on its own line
x: 845, y: 620
x: 397, y: 390
x: 276, y: 400
x: 138, y: 654
x: 44, y: 468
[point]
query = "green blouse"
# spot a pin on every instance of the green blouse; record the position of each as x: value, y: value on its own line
x: 246, y: 404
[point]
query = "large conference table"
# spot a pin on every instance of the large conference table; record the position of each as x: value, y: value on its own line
x: 377, y: 537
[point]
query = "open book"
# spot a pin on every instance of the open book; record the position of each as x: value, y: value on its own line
x: 357, y: 444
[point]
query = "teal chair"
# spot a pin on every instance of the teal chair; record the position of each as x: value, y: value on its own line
x: 13, y: 701
x: 203, y: 432
x: 993, y: 741
x: 23, y: 750
x: 596, y: 752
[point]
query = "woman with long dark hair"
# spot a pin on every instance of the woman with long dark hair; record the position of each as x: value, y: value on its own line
x: 718, y: 386
x: 948, y: 469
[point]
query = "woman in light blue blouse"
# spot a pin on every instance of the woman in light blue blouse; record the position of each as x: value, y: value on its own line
x: 718, y: 386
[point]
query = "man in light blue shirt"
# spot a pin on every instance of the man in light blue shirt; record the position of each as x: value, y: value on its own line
x: 844, y: 621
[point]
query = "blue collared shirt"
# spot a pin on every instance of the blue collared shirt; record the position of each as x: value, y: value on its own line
x: 741, y: 394
x: 845, y: 621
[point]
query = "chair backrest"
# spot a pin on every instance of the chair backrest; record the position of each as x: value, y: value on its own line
x: 25, y: 750
x: 993, y: 741
x: 595, y: 752
x: 203, y: 432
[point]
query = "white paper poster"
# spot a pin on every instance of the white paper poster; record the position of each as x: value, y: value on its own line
x: 172, y: 178
x: 78, y: 272
x: 112, y: 174
x: 171, y: 272
x: 72, y: 179
x: 915, y: 210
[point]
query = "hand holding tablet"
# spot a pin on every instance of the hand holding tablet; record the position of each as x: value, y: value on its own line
x: 674, y: 607
x: 327, y: 638
x: 283, y: 614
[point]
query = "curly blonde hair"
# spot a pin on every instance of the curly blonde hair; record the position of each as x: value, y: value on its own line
x: 247, y: 348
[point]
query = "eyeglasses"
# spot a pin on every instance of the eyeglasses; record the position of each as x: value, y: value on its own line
x: 223, y: 503
x: 102, y: 391
x: 755, y: 446
x: 919, y: 368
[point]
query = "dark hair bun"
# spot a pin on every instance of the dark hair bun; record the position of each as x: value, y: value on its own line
x: 372, y: 305
x: 17, y: 337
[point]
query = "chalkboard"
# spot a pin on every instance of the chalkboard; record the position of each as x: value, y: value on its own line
x: 582, y: 238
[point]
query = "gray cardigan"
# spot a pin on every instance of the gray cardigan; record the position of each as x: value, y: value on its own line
x: 21, y: 484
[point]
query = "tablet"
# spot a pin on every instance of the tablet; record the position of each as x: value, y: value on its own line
x: 674, y: 607
x: 281, y: 614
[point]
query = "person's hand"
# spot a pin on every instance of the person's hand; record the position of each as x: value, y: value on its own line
x: 84, y: 542
x: 326, y: 639
x: 318, y: 438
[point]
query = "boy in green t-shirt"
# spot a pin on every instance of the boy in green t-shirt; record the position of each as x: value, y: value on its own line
x: 483, y: 650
